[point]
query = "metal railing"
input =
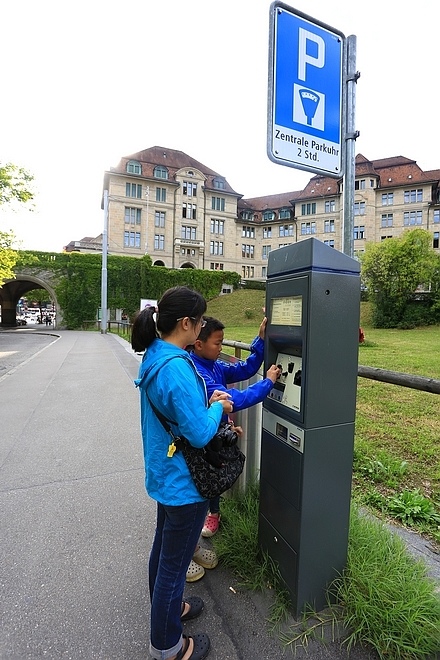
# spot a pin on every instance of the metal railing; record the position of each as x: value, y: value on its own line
x: 251, y: 418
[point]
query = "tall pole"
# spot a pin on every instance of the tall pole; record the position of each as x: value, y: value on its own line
x: 104, y: 267
x: 350, y: 137
x: 147, y: 195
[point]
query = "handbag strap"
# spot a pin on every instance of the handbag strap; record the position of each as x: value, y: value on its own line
x: 163, y: 420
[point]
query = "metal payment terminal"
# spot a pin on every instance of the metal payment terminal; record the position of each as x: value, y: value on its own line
x: 312, y: 334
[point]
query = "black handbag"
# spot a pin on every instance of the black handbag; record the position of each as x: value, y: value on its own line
x: 215, y: 467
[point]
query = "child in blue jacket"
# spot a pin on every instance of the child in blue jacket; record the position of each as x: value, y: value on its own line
x: 218, y: 374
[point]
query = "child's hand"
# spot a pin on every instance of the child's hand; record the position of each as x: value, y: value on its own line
x: 273, y: 373
x: 238, y: 430
x: 262, y: 331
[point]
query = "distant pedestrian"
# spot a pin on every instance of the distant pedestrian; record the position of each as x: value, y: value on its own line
x: 47, y: 320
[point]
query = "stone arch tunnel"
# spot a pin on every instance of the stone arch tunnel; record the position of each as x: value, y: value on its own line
x: 14, y: 289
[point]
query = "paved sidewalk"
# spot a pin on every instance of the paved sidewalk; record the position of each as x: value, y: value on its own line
x: 77, y: 524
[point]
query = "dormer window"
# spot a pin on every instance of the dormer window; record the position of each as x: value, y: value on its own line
x: 160, y: 172
x: 219, y: 184
x: 285, y: 214
x: 133, y: 167
x: 268, y: 215
x: 246, y: 215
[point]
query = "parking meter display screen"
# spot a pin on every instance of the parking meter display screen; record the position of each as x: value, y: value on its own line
x: 287, y: 311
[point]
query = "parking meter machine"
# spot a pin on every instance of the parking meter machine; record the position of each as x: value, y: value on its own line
x: 312, y: 334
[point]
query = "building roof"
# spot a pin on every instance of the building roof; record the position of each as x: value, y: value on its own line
x: 268, y: 202
x: 174, y: 161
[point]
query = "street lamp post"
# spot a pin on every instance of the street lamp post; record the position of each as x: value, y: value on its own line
x: 147, y: 195
x: 104, y: 267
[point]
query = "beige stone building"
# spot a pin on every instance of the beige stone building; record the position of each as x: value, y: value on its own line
x: 185, y: 215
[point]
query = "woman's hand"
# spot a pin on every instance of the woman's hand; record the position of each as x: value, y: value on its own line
x: 219, y: 395
x: 224, y: 398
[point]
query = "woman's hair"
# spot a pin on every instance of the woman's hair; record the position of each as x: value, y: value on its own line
x: 176, y: 303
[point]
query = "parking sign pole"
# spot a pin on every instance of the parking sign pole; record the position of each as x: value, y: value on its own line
x: 350, y: 139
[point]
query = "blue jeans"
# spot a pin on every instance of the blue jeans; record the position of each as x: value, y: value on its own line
x: 177, y: 533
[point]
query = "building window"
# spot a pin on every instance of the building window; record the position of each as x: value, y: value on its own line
x: 413, y: 196
x: 265, y: 252
x: 308, y: 209
x: 159, y: 242
x: 247, y: 251
x: 359, y: 208
x: 133, y: 167
x: 160, y: 172
x: 308, y: 228
x: 285, y: 214
x: 188, y: 232
x: 133, y: 190
x: 283, y: 244
x: 330, y: 206
x: 383, y: 238
x: 286, y: 230
x: 267, y: 232
x: 436, y: 215
x: 132, y: 239
x: 358, y: 232
x: 246, y: 215
x: 435, y: 241
x: 330, y: 242
x: 189, y: 211
x: 371, y: 183
x: 219, y: 184
x: 329, y: 226
x: 248, y: 232
x: 359, y: 185
x: 216, y: 247
x: 387, y: 199
x: 217, y: 226
x: 189, y: 188
x: 268, y: 215
x: 159, y: 219
x: 386, y: 220
x: 247, y: 271
x: 215, y: 265
x: 412, y: 218
x: 161, y: 194
x: 263, y: 271
x: 132, y: 216
x: 218, y: 203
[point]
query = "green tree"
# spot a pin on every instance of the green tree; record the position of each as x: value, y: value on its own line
x: 15, y: 187
x: 8, y: 256
x: 394, y: 270
x: 15, y: 184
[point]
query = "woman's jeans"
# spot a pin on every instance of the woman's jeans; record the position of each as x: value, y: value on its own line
x: 177, y: 533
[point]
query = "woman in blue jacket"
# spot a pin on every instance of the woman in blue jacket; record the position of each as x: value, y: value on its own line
x: 218, y: 375
x: 169, y: 381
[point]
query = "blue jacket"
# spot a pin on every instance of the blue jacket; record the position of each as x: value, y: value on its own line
x: 179, y: 393
x: 218, y: 374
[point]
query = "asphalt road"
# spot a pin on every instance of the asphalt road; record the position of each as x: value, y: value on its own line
x: 76, y: 523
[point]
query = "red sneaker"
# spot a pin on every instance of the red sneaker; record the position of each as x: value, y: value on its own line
x: 212, y: 522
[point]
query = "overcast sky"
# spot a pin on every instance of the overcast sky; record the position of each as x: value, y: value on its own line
x: 87, y: 82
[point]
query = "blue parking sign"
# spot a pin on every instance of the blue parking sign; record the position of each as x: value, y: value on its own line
x: 306, y: 118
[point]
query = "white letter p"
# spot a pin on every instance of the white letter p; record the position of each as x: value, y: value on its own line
x: 304, y: 58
